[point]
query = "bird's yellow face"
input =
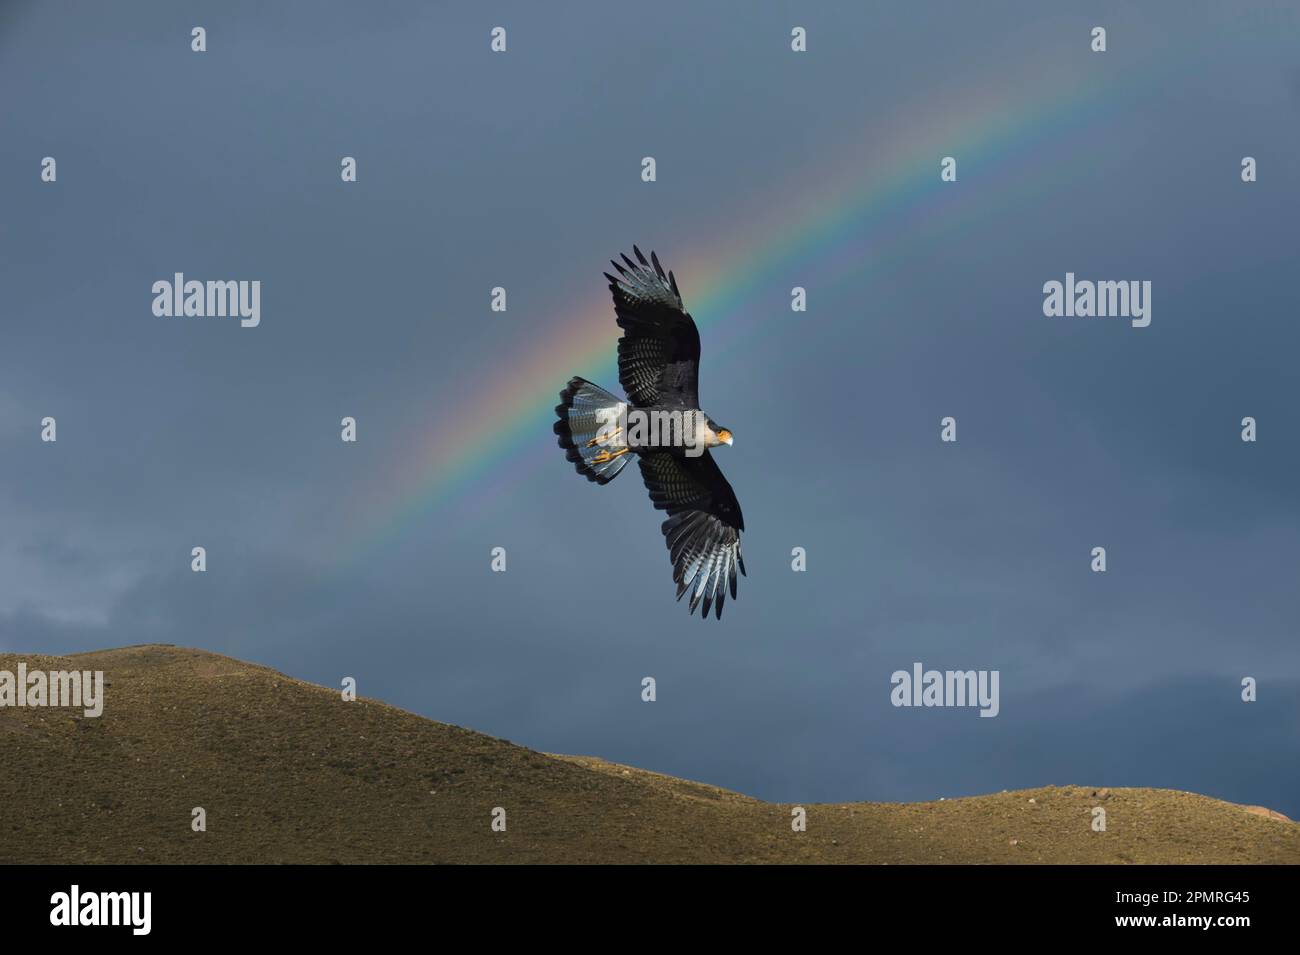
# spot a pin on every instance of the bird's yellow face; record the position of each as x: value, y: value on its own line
x: 724, y: 436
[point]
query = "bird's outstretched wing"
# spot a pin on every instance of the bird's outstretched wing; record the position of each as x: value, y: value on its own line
x: 703, y: 526
x: 659, y: 353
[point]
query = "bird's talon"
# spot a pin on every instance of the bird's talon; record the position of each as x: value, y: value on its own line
x: 602, y: 438
x: 604, y: 457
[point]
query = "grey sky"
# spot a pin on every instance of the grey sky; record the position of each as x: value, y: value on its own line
x: 521, y: 170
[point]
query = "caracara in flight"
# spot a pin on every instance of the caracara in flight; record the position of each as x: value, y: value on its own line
x: 662, y: 425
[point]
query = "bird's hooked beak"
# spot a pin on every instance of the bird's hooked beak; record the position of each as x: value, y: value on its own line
x: 725, y: 437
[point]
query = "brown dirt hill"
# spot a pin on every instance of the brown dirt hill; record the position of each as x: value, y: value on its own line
x: 288, y: 772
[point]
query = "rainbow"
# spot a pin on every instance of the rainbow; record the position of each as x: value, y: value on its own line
x: 878, y: 191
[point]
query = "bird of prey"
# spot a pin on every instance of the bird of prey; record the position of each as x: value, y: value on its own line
x: 658, y: 367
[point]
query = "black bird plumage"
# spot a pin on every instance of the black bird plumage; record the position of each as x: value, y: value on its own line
x: 658, y: 367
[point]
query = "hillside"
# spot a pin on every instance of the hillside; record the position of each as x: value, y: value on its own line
x: 288, y: 772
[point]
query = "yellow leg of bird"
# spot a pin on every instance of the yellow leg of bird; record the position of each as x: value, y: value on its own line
x: 602, y: 438
x: 604, y: 457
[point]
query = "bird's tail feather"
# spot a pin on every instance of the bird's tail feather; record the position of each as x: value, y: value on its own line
x: 588, y: 416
